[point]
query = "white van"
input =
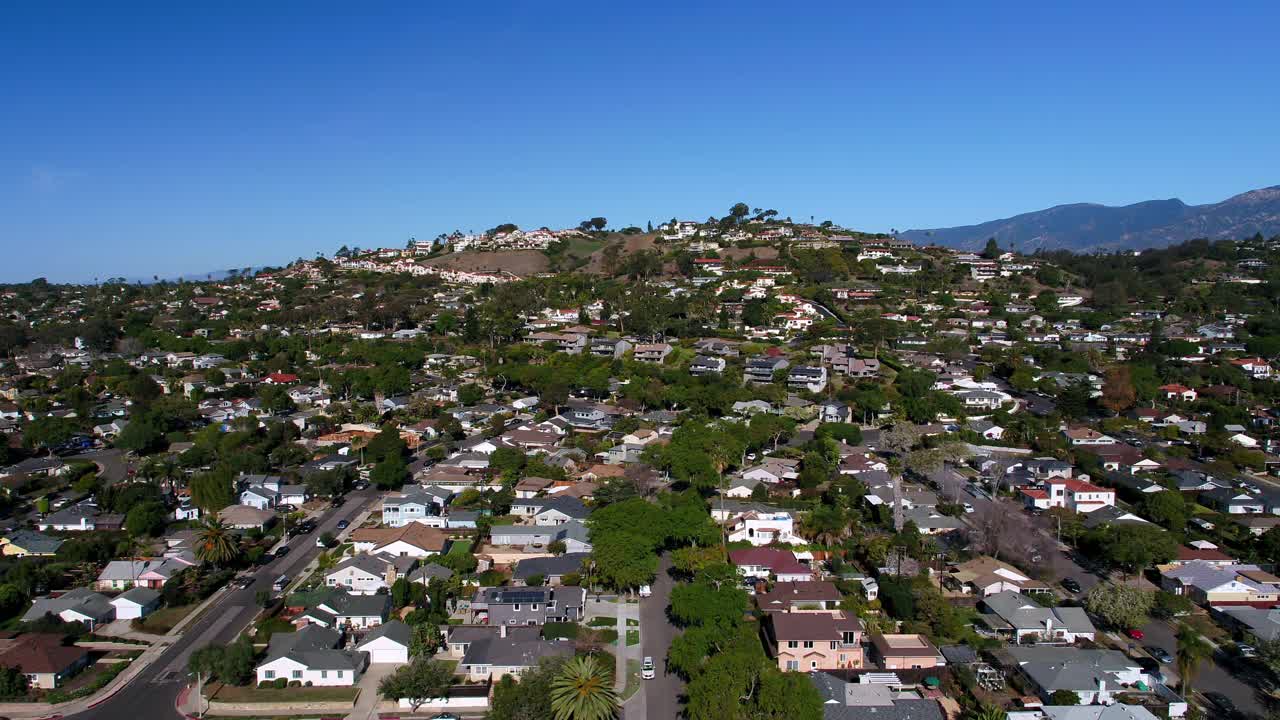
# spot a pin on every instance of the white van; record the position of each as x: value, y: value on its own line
x: 645, y: 591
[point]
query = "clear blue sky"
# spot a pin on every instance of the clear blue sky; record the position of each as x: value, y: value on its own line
x: 186, y: 137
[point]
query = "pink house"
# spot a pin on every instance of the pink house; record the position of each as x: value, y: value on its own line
x: 804, y: 642
x: 905, y: 652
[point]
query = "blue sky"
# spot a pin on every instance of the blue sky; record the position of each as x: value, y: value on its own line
x: 186, y: 137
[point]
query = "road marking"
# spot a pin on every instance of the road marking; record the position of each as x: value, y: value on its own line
x: 179, y: 663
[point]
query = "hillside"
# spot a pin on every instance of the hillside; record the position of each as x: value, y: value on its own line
x: 517, y: 262
x: 1085, y: 227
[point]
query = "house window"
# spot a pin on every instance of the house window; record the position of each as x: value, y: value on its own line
x: 297, y: 674
x: 515, y: 607
x: 792, y: 644
x: 269, y: 674
x: 324, y: 674
x: 793, y: 664
x: 833, y: 644
x: 339, y: 674
x: 813, y: 665
x: 534, y: 607
x: 808, y: 644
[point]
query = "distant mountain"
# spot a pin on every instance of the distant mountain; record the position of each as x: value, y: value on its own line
x: 1086, y: 227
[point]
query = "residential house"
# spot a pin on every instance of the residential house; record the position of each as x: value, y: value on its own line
x: 487, y: 652
x: 706, y: 365
x: 985, y: 576
x: 761, y: 529
x: 555, y: 510
x: 387, y: 644
x: 361, y: 574
x: 338, y: 608
x: 607, y: 347
x: 153, y: 573
x: 78, y: 605
x: 1086, y: 436
x: 415, y: 504
x: 414, y: 540
x: 573, y: 534
x: 551, y: 569
x: 1072, y: 493
x: 134, y: 603
x: 860, y: 700
x: 528, y: 605
x: 904, y: 652
x: 246, y: 517
x: 1095, y: 676
x: 1018, y: 617
x: 28, y: 543
x: 80, y: 517
x: 802, y: 596
x: 764, y: 563
x: 651, y: 352
x: 43, y: 658
x: 813, y: 379
x: 761, y: 369
x: 1212, y: 584
x: 311, y: 656
x: 810, y: 641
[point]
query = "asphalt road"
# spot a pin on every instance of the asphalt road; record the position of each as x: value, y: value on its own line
x: 111, y: 464
x: 154, y: 691
x: 660, y: 697
x: 1211, y: 676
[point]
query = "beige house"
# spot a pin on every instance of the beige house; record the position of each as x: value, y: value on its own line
x: 905, y: 652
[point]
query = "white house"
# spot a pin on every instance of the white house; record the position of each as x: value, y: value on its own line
x: 388, y: 643
x: 310, y: 657
x: 361, y: 575
x: 1071, y: 493
x: 760, y: 528
x: 136, y: 603
x: 1243, y: 440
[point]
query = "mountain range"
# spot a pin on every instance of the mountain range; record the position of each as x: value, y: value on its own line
x: 1088, y: 227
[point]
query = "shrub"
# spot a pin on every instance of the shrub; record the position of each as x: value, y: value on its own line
x: 281, y: 683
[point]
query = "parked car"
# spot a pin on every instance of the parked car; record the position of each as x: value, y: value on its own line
x: 1246, y: 651
x: 445, y: 716
x: 1222, y: 702
x: 645, y: 591
x: 646, y: 670
x: 1160, y: 654
x: 969, y: 508
x: 344, y: 524
x: 1134, y: 633
x: 282, y: 551
x: 1071, y: 585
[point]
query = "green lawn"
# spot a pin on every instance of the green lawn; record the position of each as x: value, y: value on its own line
x: 582, y: 246
x: 460, y: 547
x: 249, y: 694
x: 633, y: 637
x: 163, y: 620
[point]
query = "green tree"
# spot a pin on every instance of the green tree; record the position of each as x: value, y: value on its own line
x: 1119, y: 606
x: 787, y: 696
x: 1193, y: 649
x: 211, y: 491
x: 146, y: 520
x: 419, y: 681
x: 390, y: 473
x: 13, y: 683
x: 583, y: 690
x: 1167, y: 508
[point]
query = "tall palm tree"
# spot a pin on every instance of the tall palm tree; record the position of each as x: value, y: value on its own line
x: 583, y: 690
x: 1192, y: 650
x: 216, y: 544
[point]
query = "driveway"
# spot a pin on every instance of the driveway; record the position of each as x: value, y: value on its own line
x: 659, y: 698
x: 367, y: 704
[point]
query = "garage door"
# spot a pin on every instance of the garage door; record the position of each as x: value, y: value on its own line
x: 389, y: 655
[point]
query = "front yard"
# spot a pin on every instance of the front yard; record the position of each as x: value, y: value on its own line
x: 251, y: 694
x: 163, y: 620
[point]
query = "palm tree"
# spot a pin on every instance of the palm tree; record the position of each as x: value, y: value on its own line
x: 986, y: 711
x: 1192, y: 649
x: 216, y: 544
x: 583, y: 690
